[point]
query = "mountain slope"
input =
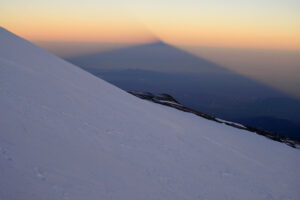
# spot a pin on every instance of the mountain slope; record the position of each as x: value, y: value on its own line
x: 65, y: 134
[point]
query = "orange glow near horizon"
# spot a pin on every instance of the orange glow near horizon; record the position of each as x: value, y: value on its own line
x: 253, y: 24
x: 77, y: 30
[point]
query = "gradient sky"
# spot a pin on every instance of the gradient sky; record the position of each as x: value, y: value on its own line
x: 271, y: 24
x: 257, y: 38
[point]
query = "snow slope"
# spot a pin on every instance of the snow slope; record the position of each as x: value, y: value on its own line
x: 66, y: 134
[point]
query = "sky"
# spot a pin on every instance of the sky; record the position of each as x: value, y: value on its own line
x: 270, y: 24
x: 256, y: 38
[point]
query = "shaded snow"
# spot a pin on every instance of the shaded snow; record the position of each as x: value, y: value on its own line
x: 66, y: 134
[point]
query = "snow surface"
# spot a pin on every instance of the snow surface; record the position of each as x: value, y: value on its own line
x: 66, y: 134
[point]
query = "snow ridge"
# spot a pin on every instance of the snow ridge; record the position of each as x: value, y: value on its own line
x: 65, y: 134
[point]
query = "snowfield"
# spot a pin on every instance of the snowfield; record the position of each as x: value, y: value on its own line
x: 66, y: 134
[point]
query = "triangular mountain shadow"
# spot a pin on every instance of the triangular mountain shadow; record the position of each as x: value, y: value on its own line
x: 157, y: 56
x: 196, y: 82
x: 160, y: 57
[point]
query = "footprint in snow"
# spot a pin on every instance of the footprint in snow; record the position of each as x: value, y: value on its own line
x: 5, y: 154
x: 40, y: 174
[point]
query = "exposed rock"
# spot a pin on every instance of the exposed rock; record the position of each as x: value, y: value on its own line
x: 168, y: 100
